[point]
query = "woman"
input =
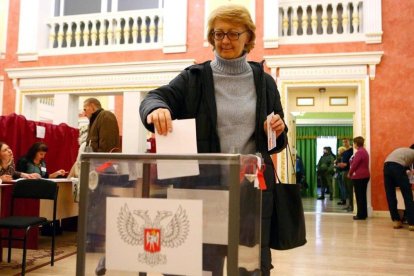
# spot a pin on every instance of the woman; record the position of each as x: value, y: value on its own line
x: 230, y: 99
x: 83, y: 134
x: 33, y: 162
x: 7, y: 171
x: 359, y: 174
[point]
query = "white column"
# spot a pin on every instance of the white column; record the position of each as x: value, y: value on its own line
x: 1, y: 93
x: 372, y: 21
x: 29, y: 107
x: 134, y: 135
x: 367, y: 137
x: 66, y: 109
x: 175, y: 26
x: 33, y: 30
x: 271, y: 24
x: 4, y: 16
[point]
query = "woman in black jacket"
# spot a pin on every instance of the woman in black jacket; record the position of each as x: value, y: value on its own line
x: 230, y: 99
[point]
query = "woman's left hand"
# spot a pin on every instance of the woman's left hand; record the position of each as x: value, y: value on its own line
x: 60, y: 173
x: 276, y: 123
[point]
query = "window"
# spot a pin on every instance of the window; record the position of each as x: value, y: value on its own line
x: 127, y: 5
x: 338, y: 101
x: 305, y: 101
x: 74, y: 7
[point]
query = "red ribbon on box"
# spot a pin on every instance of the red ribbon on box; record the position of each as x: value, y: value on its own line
x: 260, y: 177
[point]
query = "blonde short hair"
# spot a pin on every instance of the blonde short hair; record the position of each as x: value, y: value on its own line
x: 341, y: 150
x: 235, y: 14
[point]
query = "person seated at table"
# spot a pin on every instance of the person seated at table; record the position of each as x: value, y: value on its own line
x: 7, y: 170
x: 83, y: 135
x: 33, y: 162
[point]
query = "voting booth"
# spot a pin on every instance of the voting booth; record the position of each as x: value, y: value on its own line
x: 169, y: 214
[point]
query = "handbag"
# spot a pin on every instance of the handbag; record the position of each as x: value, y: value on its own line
x: 288, y: 228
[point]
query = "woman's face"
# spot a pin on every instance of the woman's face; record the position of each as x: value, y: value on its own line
x: 40, y: 155
x: 226, y: 48
x: 6, y: 154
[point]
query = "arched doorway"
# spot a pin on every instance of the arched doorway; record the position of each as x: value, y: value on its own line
x: 337, y: 71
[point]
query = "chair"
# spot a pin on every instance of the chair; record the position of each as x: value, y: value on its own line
x: 29, y: 189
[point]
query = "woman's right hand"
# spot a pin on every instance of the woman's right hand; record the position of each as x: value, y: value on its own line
x: 161, y: 118
x: 6, y: 177
x: 31, y: 175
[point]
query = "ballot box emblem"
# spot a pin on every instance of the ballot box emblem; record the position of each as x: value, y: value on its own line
x: 165, y: 229
x: 152, y: 240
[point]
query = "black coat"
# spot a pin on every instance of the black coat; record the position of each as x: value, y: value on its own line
x: 191, y: 95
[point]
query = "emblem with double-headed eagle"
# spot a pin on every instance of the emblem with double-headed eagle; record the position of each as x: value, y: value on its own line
x: 153, y: 235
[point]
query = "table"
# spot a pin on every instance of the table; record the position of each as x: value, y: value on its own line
x: 66, y: 206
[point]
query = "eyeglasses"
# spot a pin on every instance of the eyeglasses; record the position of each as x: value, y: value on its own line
x: 219, y: 35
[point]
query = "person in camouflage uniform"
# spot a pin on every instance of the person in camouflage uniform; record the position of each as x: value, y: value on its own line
x: 325, y: 170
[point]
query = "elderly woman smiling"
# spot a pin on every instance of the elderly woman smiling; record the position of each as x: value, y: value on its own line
x: 7, y: 171
x: 230, y: 99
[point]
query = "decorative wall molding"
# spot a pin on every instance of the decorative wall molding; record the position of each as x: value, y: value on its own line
x: 43, y: 34
x: 96, y: 76
x: 340, y: 62
x: 328, y: 21
x: 325, y: 72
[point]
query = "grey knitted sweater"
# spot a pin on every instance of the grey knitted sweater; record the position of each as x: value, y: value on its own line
x: 236, y: 104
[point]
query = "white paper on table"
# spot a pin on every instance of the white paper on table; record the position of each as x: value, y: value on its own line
x: 182, y: 140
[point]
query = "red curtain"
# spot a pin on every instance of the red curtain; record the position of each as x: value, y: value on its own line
x: 62, y: 140
x: 20, y: 134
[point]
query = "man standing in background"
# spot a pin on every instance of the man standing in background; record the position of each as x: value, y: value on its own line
x: 103, y: 133
x: 344, y: 165
x: 103, y: 136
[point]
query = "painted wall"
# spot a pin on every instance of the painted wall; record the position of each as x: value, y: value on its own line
x: 391, y: 93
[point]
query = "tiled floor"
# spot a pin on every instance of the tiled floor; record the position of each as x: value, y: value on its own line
x: 311, y: 204
x: 337, y: 245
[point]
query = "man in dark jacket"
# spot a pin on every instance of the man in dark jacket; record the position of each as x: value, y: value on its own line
x: 103, y: 132
x: 103, y: 136
x: 344, y: 165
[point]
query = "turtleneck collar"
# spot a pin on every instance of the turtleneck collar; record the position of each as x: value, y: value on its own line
x: 230, y: 66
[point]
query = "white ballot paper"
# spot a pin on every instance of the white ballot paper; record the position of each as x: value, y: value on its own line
x: 271, y: 135
x: 182, y: 140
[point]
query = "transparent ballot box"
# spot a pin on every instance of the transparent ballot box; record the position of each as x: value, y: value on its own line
x: 153, y: 214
